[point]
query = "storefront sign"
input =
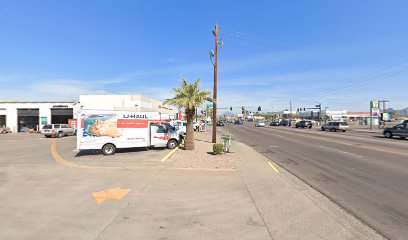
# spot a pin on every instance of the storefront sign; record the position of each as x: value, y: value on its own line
x: 375, y: 104
x: 44, y: 120
x: 60, y: 106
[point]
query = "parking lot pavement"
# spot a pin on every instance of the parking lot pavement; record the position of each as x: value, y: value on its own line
x: 184, y: 204
x: 123, y: 158
x: 42, y: 199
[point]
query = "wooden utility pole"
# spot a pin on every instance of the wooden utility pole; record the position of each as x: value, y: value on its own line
x: 214, y: 132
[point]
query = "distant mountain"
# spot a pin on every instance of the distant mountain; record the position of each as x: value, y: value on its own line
x: 403, y: 111
x: 228, y: 114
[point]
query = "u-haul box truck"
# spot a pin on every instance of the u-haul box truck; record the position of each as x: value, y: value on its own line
x: 109, y: 130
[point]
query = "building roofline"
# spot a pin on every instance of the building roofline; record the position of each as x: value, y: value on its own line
x: 38, y: 101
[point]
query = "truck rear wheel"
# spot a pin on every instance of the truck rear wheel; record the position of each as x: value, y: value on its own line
x: 172, y: 144
x: 108, y: 149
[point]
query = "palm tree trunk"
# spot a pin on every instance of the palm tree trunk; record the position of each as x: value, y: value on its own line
x: 190, y: 130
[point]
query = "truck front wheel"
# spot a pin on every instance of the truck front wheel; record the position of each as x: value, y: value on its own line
x: 172, y: 144
x: 108, y: 149
x: 388, y: 135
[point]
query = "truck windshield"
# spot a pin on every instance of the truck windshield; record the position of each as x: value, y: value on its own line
x: 48, y: 126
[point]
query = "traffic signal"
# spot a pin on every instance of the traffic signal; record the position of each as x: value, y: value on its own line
x: 230, y: 108
x: 243, y: 109
x: 304, y: 109
x: 259, y: 108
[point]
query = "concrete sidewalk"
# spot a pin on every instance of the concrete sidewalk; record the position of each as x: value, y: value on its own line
x: 292, y: 209
x: 252, y: 201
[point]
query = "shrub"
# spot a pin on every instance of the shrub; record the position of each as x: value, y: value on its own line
x: 218, y: 148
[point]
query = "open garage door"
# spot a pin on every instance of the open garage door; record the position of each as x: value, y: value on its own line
x: 2, y: 121
x: 61, y: 115
x: 28, y: 118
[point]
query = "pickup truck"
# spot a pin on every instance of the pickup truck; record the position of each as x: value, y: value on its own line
x: 57, y: 130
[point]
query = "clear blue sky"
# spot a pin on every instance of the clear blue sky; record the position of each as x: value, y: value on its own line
x: 339, y: 53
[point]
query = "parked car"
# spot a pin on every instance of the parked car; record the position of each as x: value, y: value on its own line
x: 57, y: 130
x: 335, y: 126
x: 400, y: 130
x: 259, y: 124
x: 274, y: 123
x: 5, y: 130
x: 304, y: 124
x: 220, y: 123
x: 285, y: 123
x: 238, y: 122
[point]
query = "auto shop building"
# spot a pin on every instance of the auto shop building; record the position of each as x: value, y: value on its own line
x: 21, y: 116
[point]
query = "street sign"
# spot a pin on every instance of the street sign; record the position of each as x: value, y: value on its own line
x: 386, y: 116
x: 376, y: 112
x: 375, y: 104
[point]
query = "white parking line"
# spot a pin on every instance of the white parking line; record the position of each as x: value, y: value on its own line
x: 355, y: 155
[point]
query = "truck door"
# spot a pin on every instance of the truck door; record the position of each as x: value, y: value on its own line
x: 158, y: 135
x: 406, y: 130
x: 399, y: 130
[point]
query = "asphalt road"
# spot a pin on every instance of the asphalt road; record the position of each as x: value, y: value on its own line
x: 363, y: 172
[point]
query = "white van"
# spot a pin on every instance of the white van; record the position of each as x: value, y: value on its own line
x: 57, y: 130
x: 109, y: 130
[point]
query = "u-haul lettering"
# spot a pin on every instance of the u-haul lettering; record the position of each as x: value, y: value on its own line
x: 135, y: 116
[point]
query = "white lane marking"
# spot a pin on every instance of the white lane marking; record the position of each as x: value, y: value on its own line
x: 352, y: 154
x: 273, y: 146
x: 277, y: 135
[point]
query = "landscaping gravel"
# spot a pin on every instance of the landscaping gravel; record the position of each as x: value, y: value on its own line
x: 202, y: 157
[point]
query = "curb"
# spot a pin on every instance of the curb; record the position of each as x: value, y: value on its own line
x: 169, y: 154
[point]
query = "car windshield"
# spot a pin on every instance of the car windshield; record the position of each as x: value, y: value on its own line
x: 343, y: 124
x: 48, y: 126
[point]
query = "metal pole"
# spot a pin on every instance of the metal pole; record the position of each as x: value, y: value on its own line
x: 320, y: 114
x: 371, y: 115
x: 214, y: 133
x: 290, y: 109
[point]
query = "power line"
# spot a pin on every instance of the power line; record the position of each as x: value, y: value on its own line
x: 362, y: 83
x: 356, y: 79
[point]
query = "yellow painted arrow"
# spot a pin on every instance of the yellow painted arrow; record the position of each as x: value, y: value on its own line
x: 110, y: 194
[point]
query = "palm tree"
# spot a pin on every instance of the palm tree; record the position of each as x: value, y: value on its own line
x: 189, y: 97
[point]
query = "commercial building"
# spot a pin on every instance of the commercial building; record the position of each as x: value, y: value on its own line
x: 341, y: 115
x: 21, y: 116
x: 138, y: 103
